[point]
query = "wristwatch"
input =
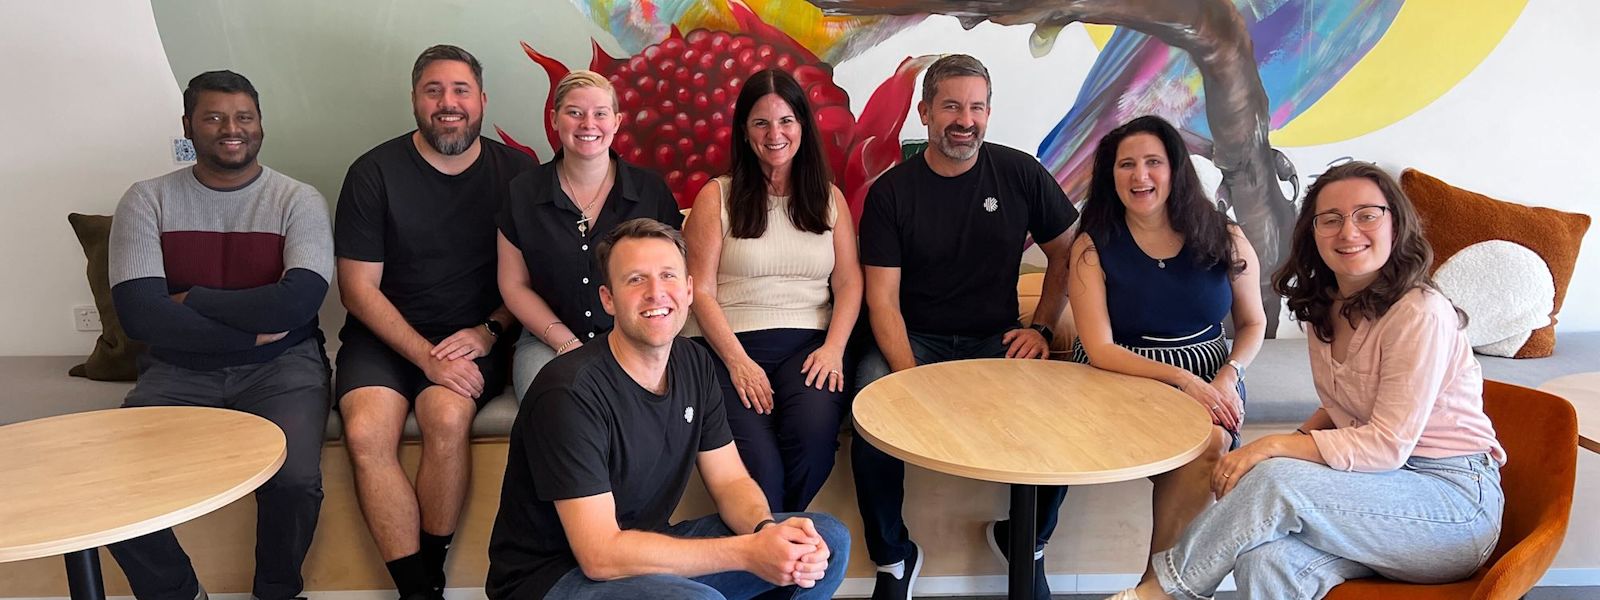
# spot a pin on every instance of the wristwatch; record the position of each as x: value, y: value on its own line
x: 494, y: 328
x: 1237, y: 368
x: 1044, y: 330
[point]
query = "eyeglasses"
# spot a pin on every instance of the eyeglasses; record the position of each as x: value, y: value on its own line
x: 1366, y: 218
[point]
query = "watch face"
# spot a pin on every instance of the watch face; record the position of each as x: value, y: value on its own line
x: 493, y: 326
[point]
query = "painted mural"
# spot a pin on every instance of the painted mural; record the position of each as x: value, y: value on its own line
x: 1243, y: 79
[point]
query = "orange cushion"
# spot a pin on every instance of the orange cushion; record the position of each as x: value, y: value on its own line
x: 1454, y: 218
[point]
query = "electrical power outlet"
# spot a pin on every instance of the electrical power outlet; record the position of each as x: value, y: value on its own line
x: 86, y: 318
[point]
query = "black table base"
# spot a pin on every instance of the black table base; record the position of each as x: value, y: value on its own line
x: 83, y: 575
x: 1024, y: 503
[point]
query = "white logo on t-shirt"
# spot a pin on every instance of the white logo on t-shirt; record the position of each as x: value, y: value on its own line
x: 688, y: 414
x: 991, y: 204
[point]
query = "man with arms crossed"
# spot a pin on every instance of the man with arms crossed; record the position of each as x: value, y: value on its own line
x: 942, y: 236
x: 603, y: 448
x: 415, y: 236
x: 221, y: 268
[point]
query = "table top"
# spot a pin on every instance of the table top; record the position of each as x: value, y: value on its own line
x: 1583, y: 391
x: 85, y: 480
x: 1031, y: 421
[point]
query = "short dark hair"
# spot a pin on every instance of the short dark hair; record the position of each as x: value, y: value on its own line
x: 642, y: 228
x: 954, y: 65
x: 446, y: 52
x: 224, y: 81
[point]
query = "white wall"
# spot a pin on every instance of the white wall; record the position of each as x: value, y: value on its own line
x: 1521, y: 127
x: 89, y: 107
x: 92, y: 106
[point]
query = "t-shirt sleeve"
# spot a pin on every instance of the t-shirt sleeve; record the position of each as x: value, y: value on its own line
x: 358, y: 226
x: 714, y: 431
x: 519, y: 194
x: 1050, y: 212
x: 570, y: 448
x: 880, y: 231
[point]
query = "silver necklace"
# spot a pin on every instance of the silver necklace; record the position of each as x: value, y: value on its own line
x: 583, y: 223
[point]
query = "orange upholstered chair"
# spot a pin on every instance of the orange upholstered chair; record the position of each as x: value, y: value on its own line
x: 1540, y: 435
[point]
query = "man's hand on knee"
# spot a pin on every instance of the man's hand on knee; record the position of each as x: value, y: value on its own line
x: 460, y: 376
x: 778, y: 551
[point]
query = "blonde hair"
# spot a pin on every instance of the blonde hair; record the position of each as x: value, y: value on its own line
x: 581, y: 79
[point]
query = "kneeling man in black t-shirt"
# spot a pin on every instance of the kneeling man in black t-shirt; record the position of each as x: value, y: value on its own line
x: 602, y: 450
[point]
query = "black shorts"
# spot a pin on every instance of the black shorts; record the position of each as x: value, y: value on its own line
x: 364, y: 361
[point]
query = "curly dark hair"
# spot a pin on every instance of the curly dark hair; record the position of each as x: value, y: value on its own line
x: 1309, y: 285
x: 1203, y: 227
x: 810, y: 194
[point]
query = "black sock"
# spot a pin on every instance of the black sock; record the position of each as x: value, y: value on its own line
x: 410, y: 574
x: 434, y: 550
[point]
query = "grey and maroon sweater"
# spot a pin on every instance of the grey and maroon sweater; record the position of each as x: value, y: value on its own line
x: 254, y: 260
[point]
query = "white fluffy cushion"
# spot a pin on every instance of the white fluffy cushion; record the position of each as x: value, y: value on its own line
x: 1505, y: 289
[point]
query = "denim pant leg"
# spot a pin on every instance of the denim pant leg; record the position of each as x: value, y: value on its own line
x: 1431, y: 521
x: 730, y: 585
x: 741, y: 585
x: 880, y: 478
x: 529, y: 358
x: 293, y: 392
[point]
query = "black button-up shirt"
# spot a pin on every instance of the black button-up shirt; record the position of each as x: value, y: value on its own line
x: 541, y: 221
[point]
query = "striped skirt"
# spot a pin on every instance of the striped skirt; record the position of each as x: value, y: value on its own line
x: 1203, y: 358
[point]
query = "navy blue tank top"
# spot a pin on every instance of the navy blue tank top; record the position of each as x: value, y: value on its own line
x: 1152, y: 305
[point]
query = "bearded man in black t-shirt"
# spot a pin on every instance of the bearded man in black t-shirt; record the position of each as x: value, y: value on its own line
x: 415, y: 240
x: 603, y: 448
x: 942, y: 236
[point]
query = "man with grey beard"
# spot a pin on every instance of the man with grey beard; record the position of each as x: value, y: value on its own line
x: 415, y: 238
x: 942, y: 236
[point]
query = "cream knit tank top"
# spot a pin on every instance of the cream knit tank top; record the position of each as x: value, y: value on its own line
x: 776, y: 281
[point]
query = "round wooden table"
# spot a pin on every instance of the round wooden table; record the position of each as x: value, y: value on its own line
x: 1029, y: 423
x: 72, y: 483
x: 1583, y: 391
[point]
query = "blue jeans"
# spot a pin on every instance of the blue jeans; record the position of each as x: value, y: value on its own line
x: 730, y: 585
x: 1295, y: 529
x: 880, y: 478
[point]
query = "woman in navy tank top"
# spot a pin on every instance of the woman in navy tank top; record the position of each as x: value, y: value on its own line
x: 1156, y: 267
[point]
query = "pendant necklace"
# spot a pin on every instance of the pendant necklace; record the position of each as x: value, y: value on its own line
x: 583, y: 223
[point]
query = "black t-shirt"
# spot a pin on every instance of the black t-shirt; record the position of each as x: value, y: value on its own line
x: 434, y: 233
x: 587, y: 428
x: 958, y: 241
x: 541, y: 221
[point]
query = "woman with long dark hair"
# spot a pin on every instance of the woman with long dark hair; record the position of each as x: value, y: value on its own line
x: 1398, y: 473
x: 772, y: 251
x: 1155, y: 270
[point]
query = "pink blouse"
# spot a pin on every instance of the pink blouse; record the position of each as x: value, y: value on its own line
x: 1408, y: 386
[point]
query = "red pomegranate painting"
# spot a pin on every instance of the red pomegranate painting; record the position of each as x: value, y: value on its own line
x: 677, y: 95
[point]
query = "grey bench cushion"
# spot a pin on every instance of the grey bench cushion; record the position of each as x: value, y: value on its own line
x: 38, y: 386
x: 1280, y: 390
x: 1279, y: 385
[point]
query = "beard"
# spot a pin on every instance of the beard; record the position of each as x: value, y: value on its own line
x: 252, y: 148
x: 955, y: 151
x: 449, y: 144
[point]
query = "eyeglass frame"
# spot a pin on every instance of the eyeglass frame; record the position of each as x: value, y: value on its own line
x: 1368, y: 227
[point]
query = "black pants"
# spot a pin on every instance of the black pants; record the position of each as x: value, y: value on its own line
x: 881, y: 479
x: 790, y: 451
x: 292, y: 392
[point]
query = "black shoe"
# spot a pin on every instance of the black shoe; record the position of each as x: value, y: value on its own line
x: 998, y: 534
x: 888, y: 587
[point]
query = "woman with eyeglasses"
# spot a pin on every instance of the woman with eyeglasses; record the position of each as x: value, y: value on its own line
x: 1155, y: 270
x: 1398, y: 473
